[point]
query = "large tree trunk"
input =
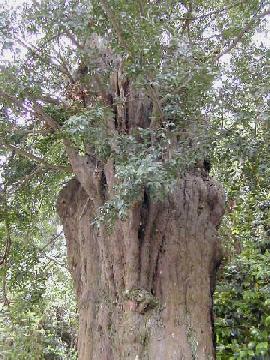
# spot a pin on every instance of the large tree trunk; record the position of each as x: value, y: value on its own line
x: 145, y: 288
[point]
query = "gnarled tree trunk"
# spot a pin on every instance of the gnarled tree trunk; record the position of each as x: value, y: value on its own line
x: 145, y: 288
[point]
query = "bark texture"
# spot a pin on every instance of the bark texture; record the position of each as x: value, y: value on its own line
x: 145, y: 289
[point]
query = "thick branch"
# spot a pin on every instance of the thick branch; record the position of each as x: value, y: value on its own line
x: 13, y: 99
x: 38, y: 109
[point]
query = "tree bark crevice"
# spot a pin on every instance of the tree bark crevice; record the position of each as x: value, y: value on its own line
x: 145, y: 288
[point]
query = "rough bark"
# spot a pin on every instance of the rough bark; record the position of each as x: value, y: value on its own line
x: 145, y: 289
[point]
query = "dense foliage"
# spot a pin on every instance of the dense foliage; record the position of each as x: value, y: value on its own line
x: 242, y: 307
x: 206, y: 69
x: 38, y: 309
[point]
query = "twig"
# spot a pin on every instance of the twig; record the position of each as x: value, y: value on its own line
x: 214, y: 12
x: 65, y: 68
x: 38, y: 110
x: 4, y: 289
x: 50, y: 59
x: 19, y: 184
x: 56, y: 236
x: 73, y: 39
x: 4, y: 257
x: 50, y: 258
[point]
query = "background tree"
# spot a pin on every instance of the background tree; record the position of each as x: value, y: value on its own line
x: 242, y: 296
x: 127, y: 96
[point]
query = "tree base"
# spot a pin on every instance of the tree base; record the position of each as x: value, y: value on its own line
x: 145, y: 289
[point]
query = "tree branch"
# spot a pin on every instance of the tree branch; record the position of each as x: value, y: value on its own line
x: 242, y: 33
x: 4, y: 257
x: 52, y: 259
x: 20, y: 183
x: 49, y: 99
x: 33, y: 157
x: 53, y: 238
x: 38, y: 110
x: 115, y: 24
x: 4, y: 289
x: 213, y: 12
x: 50, y: 59
x: 73, y: 39
x: 153, y: 93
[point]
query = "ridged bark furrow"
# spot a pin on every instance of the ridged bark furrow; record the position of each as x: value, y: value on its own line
x: 145, y: 289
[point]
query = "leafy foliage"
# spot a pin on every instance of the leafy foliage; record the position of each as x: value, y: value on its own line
x: 38, y: 319
x: 242, y: 307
